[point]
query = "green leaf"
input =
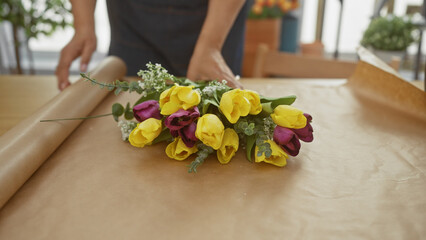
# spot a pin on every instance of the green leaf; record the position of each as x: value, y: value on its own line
x: 207, y: 103
x: 117, y: 90
x: 115, y: 118
x: 128, y: 112
x: 249, y: 146
x: 288, y: 100
x: 164, y: 135
x: 117, y: 109
x: 149, y: 96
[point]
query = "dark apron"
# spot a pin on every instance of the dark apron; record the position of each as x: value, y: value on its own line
x: 165, y: 32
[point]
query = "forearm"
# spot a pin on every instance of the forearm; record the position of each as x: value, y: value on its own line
x: 84, y: 19
x: 221, y: 15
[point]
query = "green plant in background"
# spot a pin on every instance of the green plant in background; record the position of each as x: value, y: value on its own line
x: 35, y: 18
x: 389, y: 33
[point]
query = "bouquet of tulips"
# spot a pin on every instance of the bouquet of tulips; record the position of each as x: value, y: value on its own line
x: 203, y: 118
x: 271, y: 8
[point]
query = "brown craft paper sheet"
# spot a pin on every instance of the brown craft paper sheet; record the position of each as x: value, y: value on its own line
x: 363, y: 177
x: 24, y: 148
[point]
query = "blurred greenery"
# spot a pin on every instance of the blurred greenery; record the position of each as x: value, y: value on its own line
x: 36, y: 16
x: 389, y: 33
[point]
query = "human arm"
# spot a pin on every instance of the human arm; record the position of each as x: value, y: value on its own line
x: 82, y: 44
x: 207, y: 61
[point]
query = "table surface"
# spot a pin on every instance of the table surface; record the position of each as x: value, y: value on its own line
x: 22, y: 95
x: 362, y: 177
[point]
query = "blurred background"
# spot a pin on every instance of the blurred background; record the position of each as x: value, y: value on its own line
x: 322, y: 28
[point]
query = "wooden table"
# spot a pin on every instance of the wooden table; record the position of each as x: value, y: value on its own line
x: 21, y: 95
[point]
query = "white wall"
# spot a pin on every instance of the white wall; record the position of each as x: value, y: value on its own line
x: 60, y: 38
x: 356, y: 17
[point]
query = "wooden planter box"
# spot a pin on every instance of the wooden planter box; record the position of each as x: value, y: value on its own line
x: 258, y: 31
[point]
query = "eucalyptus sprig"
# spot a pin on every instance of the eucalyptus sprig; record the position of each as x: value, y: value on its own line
x: 257, y: 131
x: 119, y: 86
x: 203, y: 152
x: 118, y: 110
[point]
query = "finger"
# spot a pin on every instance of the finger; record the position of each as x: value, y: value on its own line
x: 235, y: 84
x: 62, y: 70
x: 86, y: 56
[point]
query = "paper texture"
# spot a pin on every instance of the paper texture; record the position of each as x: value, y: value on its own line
x: 363, y: 177
x: 26, y: 146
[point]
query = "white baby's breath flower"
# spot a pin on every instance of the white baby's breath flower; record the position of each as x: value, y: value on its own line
x: 126, y: 128
x: 199, y: 91
x: 154, y: 79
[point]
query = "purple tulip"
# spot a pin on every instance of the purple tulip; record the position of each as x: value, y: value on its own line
x: 188, y: 135
x: 305, y: 134
x: 147, y: 109
x: 287, y: 140
x: 181, y: 118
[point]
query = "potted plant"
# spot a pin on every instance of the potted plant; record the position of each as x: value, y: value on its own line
x: 33, y: 18
x: 389, y: 36
x: 264, y: 26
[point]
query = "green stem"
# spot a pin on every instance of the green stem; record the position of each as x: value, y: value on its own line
x: 80, y: 118
x: 107, y: 85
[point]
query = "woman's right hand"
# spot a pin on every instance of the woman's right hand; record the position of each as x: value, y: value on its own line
x: 81, y: 45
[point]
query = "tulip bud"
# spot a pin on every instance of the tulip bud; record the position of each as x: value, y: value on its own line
x: 287, y: 139
x: 254, y: 99
x: 305, y: 134
x: 147, y: 109
x: 145, y: 132
x: 278, y: 156
x: 188, y: 134
x: 178, y: 150
x: 229, y: 146
x: 210, y: 130
x: 181, y: 118
x: 288, y: 117
x: 178, y: 97
x: 234, y: 105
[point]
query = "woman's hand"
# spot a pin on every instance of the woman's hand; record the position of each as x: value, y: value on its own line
x: 208, y: 64
x: 81, y: 45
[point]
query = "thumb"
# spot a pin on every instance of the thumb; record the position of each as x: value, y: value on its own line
x: 86, y: 55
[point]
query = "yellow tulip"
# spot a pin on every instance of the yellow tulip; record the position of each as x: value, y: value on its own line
x: 145, y: 132
x: 229, y: 146
x: 178, y: 150
x: 234, y: 105
x: 254, y: 99
x: 288, y: 117
x: 210, y: 130
x: 277, y: 158
x: 178, y: 97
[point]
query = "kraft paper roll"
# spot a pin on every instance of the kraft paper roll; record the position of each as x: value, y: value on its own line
x: 24, y: 148
x: 377, y: 81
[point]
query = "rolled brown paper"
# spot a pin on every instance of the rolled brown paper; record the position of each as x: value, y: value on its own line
x: 378, y: 82
x: 24, y: 148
